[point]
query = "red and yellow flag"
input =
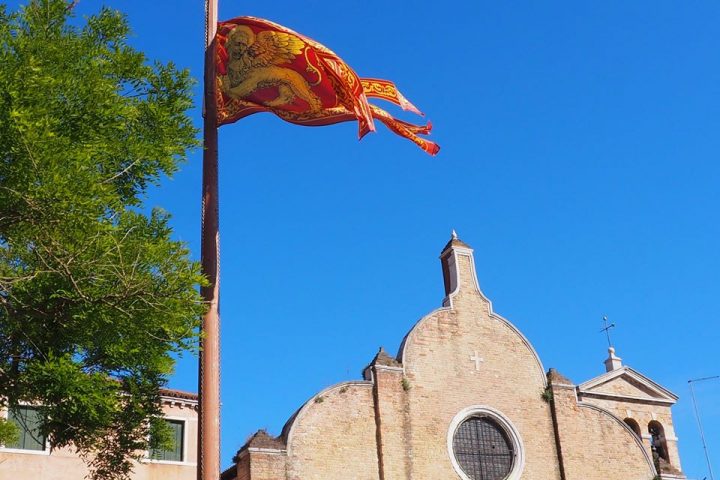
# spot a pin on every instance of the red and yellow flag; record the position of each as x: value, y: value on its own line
x: 265, y: 67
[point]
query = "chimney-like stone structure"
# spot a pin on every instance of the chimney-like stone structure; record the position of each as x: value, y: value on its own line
x: 458, y: 267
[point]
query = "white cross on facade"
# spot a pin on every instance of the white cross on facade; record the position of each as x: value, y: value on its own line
x: 477, y: 359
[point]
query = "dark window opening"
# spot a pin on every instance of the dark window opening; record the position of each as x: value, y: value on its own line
x: 175, y: 452
x: 657, y: 441
x: 634, y: 426
x: 28, y: 422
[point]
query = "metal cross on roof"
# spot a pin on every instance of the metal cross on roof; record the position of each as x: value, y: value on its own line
x: 606, y: 329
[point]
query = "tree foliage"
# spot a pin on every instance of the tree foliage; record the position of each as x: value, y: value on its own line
x: 95, y: 296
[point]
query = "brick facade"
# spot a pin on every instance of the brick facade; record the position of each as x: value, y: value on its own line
x: 635, y: 398
x: 398, y: 424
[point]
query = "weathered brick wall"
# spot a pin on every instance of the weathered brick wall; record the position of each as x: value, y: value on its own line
x: 594, y: 444
x: 443, y: 381
x: 643, y: 414
x: 267, y: 465
x: 333, y: 436
x: 243, y: 467
x: 391, y: 421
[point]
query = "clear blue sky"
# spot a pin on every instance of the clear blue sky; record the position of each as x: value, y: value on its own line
x: 580, y: 146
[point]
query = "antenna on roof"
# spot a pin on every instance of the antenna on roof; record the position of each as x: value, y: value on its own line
x: 697, y: 417
x: 606, y: 329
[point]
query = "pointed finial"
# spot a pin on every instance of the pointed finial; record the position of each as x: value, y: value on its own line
x: 613, y: 362
x: 455, y: 242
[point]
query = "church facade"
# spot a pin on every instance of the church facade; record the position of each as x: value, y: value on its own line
x: 467, y: 398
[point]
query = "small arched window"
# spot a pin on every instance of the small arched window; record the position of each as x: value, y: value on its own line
x: 634, y: 426
x: 657, y: 440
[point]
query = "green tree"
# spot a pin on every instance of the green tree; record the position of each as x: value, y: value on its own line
x: 95, y: 296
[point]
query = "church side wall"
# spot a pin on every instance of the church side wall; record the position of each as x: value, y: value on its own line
x: 595, y: 445
x: 643, y: 414
x: 333, y: 437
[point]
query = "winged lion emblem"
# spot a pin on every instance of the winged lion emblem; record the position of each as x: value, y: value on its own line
x: 254, y: 61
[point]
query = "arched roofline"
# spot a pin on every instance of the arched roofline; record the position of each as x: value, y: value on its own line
x: 448, y: 305
x: 288, y: 428
x: 624, y: 425
x: 401, y: 350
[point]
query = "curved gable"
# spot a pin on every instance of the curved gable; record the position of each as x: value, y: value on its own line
x: 333, y: 434
x: 615, y: 440
x: 464, y: 354
x: 449, y: 336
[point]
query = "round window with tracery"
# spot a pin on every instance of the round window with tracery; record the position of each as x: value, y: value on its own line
x: 484, y: 447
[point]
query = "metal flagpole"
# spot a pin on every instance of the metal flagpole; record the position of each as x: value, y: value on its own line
x: 209, y: 369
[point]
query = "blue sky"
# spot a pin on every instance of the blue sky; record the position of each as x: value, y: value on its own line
x: 580, y: 146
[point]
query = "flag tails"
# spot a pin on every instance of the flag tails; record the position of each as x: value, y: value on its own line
x: 407, y: 130
x: 385, y: 89
x: 265, y: 67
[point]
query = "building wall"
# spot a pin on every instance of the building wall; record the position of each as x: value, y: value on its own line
x: 64, y: 464
x: 267, y: 465
x: 445, y: 380
x: 643, y: 414
x: 333, y: 436
x: 594, y: 444
x: 393, y: 423
x: 243, y: 469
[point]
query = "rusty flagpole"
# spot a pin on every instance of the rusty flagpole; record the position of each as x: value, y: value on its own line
x: 209, y: 369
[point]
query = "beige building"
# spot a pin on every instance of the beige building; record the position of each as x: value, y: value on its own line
x: 467, y: 398
x: 30, y: 457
